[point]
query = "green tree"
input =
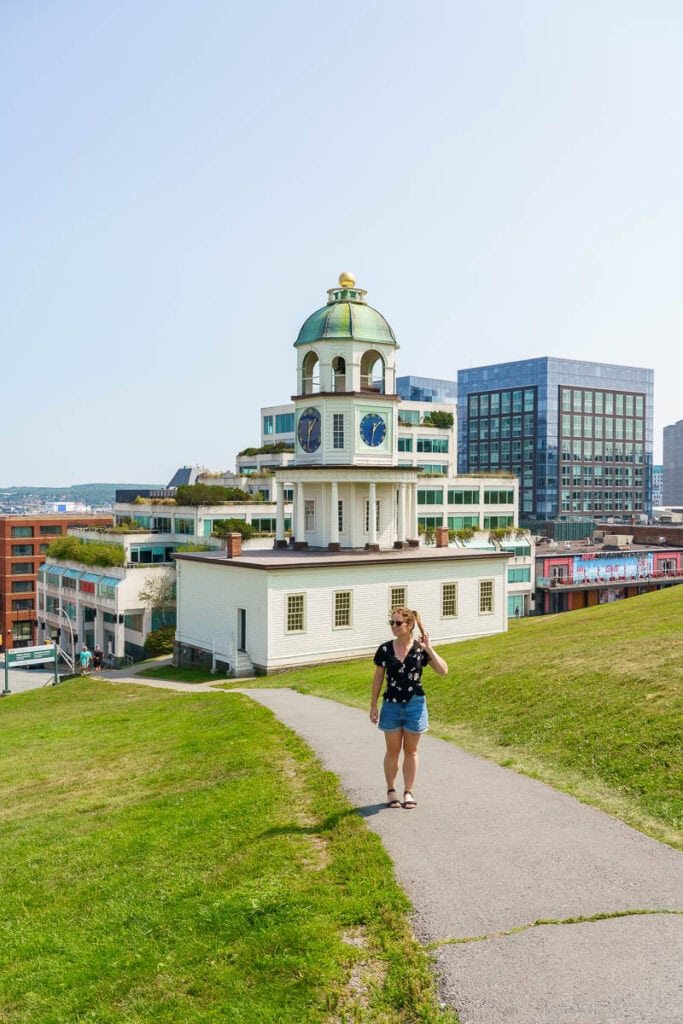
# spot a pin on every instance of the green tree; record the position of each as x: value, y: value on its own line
x: 439, y: 419
x: 222, y: 527
x: 159, y: 594
x: 160, y: 641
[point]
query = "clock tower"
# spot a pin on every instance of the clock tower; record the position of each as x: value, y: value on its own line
x: 349, y: 491
x: 345, y: 401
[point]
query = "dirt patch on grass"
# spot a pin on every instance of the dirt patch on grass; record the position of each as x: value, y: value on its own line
x: 316, y: 856
x: 366, y: 976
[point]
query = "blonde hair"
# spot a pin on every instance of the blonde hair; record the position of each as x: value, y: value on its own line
x: 411, y: 617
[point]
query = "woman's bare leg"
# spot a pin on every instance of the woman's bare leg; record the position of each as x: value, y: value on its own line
x: 393, y: 742
x: 410, y: 759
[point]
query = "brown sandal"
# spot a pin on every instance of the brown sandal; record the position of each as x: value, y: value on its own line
x: 409, y: 800
x: 395, y: 802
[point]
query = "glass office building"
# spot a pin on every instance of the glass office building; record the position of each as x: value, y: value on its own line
x: 426, y: 389
x: 577, y: 435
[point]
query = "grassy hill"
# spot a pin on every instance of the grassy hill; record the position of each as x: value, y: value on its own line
x: 590, y: 701
x: 184, y: 859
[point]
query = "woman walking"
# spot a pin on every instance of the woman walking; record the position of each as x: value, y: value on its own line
x: 404, y: 717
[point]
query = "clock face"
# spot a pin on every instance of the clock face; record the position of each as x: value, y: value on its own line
x: 308, y: 430
x: 373, y: 429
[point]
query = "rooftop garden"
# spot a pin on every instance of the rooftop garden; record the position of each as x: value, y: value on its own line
x: 101, y: 553
x: 268, y: 449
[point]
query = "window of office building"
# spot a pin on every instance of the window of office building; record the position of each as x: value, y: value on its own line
x: 463, y: 522
x: 22, y: 586
x: 498, y: 522
x: 433, y: 445
x: 433, y: 468
x: 22, y: 569
x: 342, y: 608
x: 22, y: 630
x: 183, y: 525
x: 449, y: 600
x: 405, y: 444
x: 22, y: 531
x: 21, y: 549
x: 284, y: 423
x: 495, y: 497
x: 430, y: 522
x: 46, y: 530
x: 461, y: 497
x: 267, y: 424
x: 519, y: 575
x: 431, y: 497
x: 23, y: 604
x: 411, y: 417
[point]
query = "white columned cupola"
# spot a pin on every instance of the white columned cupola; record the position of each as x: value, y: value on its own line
x: 348, y: 487
x: 345, y: 401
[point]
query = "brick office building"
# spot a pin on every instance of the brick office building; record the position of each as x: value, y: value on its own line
x: 24, y: 540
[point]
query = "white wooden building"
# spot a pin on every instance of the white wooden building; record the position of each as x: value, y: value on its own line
x: 355, y: 552
x: 265, y: 611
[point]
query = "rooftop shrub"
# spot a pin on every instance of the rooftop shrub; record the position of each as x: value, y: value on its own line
x: 100, y: 553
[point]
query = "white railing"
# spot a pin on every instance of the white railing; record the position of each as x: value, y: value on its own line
x: 221, y: 646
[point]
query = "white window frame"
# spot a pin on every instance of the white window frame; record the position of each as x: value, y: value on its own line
x: 403, y: 602
x: 309, y: 515
x: 343, y: 594
x: 487, y: 611
x: 454, y: 598
x: 289, y: 614
x: 337, y: 430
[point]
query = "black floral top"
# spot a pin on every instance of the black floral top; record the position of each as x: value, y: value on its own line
x: 402, y: 677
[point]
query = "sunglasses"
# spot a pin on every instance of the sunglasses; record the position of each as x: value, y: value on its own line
x: 396, y: 622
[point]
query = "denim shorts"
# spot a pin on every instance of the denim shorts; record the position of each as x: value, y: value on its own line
x: 411, y: 717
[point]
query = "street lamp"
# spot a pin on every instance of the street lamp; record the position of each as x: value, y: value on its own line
x: 71, y: 632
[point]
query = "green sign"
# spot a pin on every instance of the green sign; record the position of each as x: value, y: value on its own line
x: 23, y: 655
x: 27, y: 655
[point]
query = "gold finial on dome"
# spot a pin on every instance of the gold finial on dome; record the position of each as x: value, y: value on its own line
x: 346, y: 280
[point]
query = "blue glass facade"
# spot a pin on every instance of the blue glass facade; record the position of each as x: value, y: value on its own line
x: 426, y: 389
x: 578, y: 435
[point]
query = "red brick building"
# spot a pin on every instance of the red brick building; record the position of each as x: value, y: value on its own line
x: 24, y: 541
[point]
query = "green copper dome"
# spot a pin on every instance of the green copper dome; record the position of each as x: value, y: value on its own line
x: 346, y: 317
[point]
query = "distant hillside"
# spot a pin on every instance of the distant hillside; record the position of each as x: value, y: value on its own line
x: 91, y: 494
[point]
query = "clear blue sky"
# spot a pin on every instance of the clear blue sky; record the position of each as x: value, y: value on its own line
x: 181, y: 182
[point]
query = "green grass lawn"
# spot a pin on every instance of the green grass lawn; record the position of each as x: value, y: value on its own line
x: 589, y: 701
x: 183, y: 858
